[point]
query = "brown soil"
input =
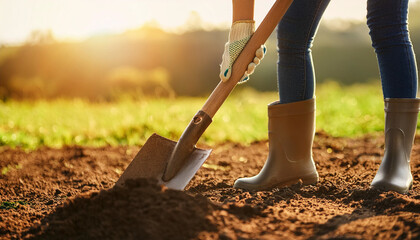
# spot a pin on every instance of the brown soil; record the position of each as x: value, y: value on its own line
x: 66, y: 194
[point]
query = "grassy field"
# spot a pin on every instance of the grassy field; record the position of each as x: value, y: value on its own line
x: 341, y: 111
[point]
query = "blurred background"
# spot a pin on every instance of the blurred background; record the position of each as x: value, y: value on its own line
x: 102, y: 72
x: 99, y: 49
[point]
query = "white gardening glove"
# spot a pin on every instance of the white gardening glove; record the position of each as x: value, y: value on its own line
x: 239, y: 35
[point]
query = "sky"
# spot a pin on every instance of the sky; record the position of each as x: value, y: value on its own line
x: 79, y: 19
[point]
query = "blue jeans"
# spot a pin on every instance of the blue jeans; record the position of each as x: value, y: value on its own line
x: 387, y: 21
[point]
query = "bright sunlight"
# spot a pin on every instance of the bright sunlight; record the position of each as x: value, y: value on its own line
x: 79, y: 19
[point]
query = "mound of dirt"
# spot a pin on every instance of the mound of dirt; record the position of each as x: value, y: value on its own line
x: 139, y: 210
x: 67, y: 194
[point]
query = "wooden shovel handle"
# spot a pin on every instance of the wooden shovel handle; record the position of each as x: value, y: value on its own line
x: 223, y: 89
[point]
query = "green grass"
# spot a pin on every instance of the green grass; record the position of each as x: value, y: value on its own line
x: 12, y: 205
x: 9, y: 168
x: 350, y: 111
x: 341, y: 111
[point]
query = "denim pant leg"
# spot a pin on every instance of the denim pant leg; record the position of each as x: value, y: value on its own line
x: 295, y: 34
x: 387, y: 21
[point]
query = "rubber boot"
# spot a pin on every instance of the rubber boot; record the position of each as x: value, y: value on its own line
x: 400, y: 128
x: 291, y: 129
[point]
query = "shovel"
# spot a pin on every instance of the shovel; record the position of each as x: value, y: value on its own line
x: 175, y: 163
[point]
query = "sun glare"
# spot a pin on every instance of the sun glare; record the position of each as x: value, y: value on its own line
x: 78, y: 19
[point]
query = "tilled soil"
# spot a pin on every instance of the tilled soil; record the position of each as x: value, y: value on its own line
x: 67, y: 194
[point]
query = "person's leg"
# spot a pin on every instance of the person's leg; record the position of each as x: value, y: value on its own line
x: 387, y: 20
x: 295, y: 33
x: 291, y: 124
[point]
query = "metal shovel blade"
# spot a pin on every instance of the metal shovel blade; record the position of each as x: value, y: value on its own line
x: 151, y: 160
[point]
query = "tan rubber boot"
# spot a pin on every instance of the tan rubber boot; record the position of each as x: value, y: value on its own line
x: 400, y: 128
x: 291, y: 129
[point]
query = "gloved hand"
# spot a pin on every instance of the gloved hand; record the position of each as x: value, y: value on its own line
x: 239, y: 35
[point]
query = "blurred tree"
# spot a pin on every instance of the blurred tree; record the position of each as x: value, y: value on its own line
x: 139, y: 83
x: 194, y: 22
x: 38, y: 37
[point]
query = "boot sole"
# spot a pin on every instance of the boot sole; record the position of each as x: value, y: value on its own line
x: 311, y: 179
x: 386, y: 188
